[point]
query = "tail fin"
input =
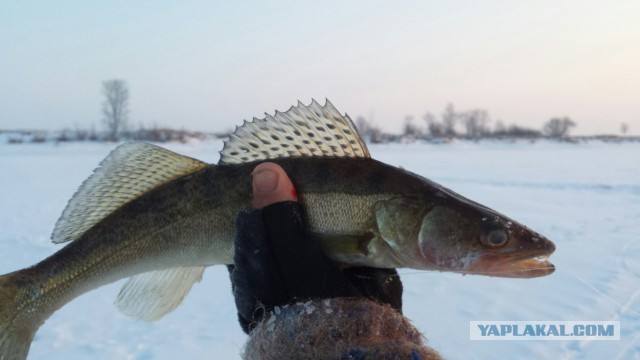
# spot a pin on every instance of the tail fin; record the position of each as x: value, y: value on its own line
x: 17, y: 327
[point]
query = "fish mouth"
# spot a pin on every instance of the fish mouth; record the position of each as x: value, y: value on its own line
x: 522, y: 266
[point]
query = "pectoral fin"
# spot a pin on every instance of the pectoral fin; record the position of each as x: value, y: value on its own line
x: 344, y: 245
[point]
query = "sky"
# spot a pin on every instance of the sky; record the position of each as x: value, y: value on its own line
x: 207, y: 65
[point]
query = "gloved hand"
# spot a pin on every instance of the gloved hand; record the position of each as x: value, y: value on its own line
x: 275, y: 264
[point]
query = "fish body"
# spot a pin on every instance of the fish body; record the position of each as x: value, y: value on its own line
x: 162, y: 233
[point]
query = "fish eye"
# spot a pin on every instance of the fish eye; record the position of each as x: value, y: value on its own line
x: 495, y: 238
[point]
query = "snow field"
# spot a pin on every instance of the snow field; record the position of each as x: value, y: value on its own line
x: 584, y: 197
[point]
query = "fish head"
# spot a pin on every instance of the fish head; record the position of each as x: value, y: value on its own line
x: 456, y: 234
x: 510, y: 249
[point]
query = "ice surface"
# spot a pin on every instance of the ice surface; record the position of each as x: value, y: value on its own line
x: 585, y: 197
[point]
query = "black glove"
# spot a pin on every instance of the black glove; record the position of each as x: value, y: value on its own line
x: 275, y: 265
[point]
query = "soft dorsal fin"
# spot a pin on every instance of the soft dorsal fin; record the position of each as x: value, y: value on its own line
x: 131, y: 170
x: 302, y: 131
x: 149, y: 296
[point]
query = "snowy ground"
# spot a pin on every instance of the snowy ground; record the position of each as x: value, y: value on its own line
x: 585, y: 197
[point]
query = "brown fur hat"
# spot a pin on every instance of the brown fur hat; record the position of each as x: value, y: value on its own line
x: 339, y: 328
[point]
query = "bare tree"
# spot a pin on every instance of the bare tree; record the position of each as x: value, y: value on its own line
x: 81, y: 134
x: 558, y: 127
x: 624, y: 127
x: 368, y: 131
x: 115, y: 107
x: 475, y: 122
x: 411, y: 129
x: 92, y: 133
x: 449, y: 120
x: 433, y: 126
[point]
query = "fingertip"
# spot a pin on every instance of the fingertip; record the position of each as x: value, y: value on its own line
x: 271, y: 184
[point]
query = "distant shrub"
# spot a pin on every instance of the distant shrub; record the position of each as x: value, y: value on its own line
x: 63, y: 137
x: 515, y: 131
x: 39, y: 137
x: 558, y: 127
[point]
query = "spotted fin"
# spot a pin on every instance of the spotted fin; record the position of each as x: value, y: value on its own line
x: 150, y: 296
x: 131, y: 170
x: 302, y: 131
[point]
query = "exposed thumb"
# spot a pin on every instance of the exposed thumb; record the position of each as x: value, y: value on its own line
x: 271, y: 185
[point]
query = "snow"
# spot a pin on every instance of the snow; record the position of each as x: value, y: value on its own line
x: 582, y: 196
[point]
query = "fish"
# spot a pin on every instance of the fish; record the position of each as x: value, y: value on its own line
x: 160, y: 219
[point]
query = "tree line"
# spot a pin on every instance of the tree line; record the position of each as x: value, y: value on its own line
x: 475, y: 123
x: 471, y: 124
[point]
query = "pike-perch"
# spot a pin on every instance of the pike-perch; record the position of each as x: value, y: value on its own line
x: 160, y: 219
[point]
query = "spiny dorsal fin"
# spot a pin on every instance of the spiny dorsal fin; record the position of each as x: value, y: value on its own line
x: 302, y: 131
x: 131, y: 170
x: 151, y: 295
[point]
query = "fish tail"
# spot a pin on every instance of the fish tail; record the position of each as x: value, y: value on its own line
x: 17, y: 326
